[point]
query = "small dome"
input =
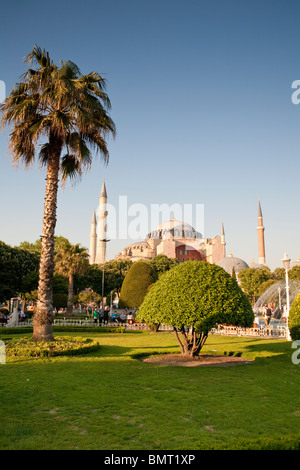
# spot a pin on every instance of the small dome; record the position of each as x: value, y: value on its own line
x: 256, y: 265
x: 230, y: 262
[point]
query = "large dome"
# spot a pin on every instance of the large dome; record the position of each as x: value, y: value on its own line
x: 230, y: 262
x: 174, y: 228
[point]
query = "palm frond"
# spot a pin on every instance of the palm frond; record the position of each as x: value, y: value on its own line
x: 58, y: 104
x: 70, y: 168
x: 44, y: 153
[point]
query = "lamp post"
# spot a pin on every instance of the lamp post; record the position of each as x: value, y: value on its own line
x: 111, y: 293
x: 103, y: 285
x: 286, y: 264
x: 104, y: 240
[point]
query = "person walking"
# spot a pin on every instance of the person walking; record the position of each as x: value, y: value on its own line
x: 268, y: 316
x: 96, y: 315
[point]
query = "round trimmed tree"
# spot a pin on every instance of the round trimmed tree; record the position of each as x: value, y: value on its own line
x: 294, y: 318
x: 136, y: 284
x: 193, y: 298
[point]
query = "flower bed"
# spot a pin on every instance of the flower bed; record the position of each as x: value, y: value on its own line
x: 60, y: 347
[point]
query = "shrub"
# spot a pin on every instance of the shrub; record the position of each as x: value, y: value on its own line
x: 60, y: 301
x: 136, y: 284
x: 294, y: 319
x: 61, y: 346
x: 195, y: 296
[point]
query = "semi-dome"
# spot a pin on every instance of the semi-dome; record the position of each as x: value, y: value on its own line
x: 174, y: 228
x: 230, y: 262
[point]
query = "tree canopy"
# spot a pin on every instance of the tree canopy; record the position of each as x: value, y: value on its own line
x: 70, y: 259
x: 251, y: 280
x: 196, y: 295
x: 161, y: 264
x: 294, y: 273
x: 15, y: 265
x: 136, y: 284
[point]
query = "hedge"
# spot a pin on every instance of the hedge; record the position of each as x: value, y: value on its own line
x: 61, y: 328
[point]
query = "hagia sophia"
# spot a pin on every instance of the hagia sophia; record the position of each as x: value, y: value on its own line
x: 175, y: 239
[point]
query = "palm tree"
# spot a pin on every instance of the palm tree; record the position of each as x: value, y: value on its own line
x: 70, y: 259
x: 66, y: 113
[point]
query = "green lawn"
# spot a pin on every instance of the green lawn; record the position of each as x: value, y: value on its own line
x: 111, y: 400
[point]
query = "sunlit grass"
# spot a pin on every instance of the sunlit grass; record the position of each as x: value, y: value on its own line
x: 108, y: 399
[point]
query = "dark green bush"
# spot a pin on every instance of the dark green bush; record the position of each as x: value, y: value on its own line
x: 89, y: 329
x: 60, y: 300
x: 295, y: 332
x: 16, y: 330
x: 136, y: 284
x: 294, y: 319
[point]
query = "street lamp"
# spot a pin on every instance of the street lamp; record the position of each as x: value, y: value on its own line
x: 111, y: 293
x: 103, y: 240
x: 286, y: 264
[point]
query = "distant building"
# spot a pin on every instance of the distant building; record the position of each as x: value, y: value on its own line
x: 98, y: 237
x: 176, y: 239
x: 232, y: 264
x: 173, y: 238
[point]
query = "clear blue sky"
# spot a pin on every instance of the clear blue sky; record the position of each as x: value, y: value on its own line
x: 201, y: 98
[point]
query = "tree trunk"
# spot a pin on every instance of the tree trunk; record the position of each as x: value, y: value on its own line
x: 42, y: 320
x: 190, y: 346
x: 70, y: 294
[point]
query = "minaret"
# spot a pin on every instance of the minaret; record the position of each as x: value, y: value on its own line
x: 93, y: 239
x: 223, y: 243
x: 261, y: 237
x: 102, y: 228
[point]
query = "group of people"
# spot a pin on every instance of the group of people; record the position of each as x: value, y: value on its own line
x: 102, y: 315
x: 123, y: 318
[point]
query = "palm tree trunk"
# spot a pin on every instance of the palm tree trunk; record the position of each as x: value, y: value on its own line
x: 70, y: 294
x: 42, y: 320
